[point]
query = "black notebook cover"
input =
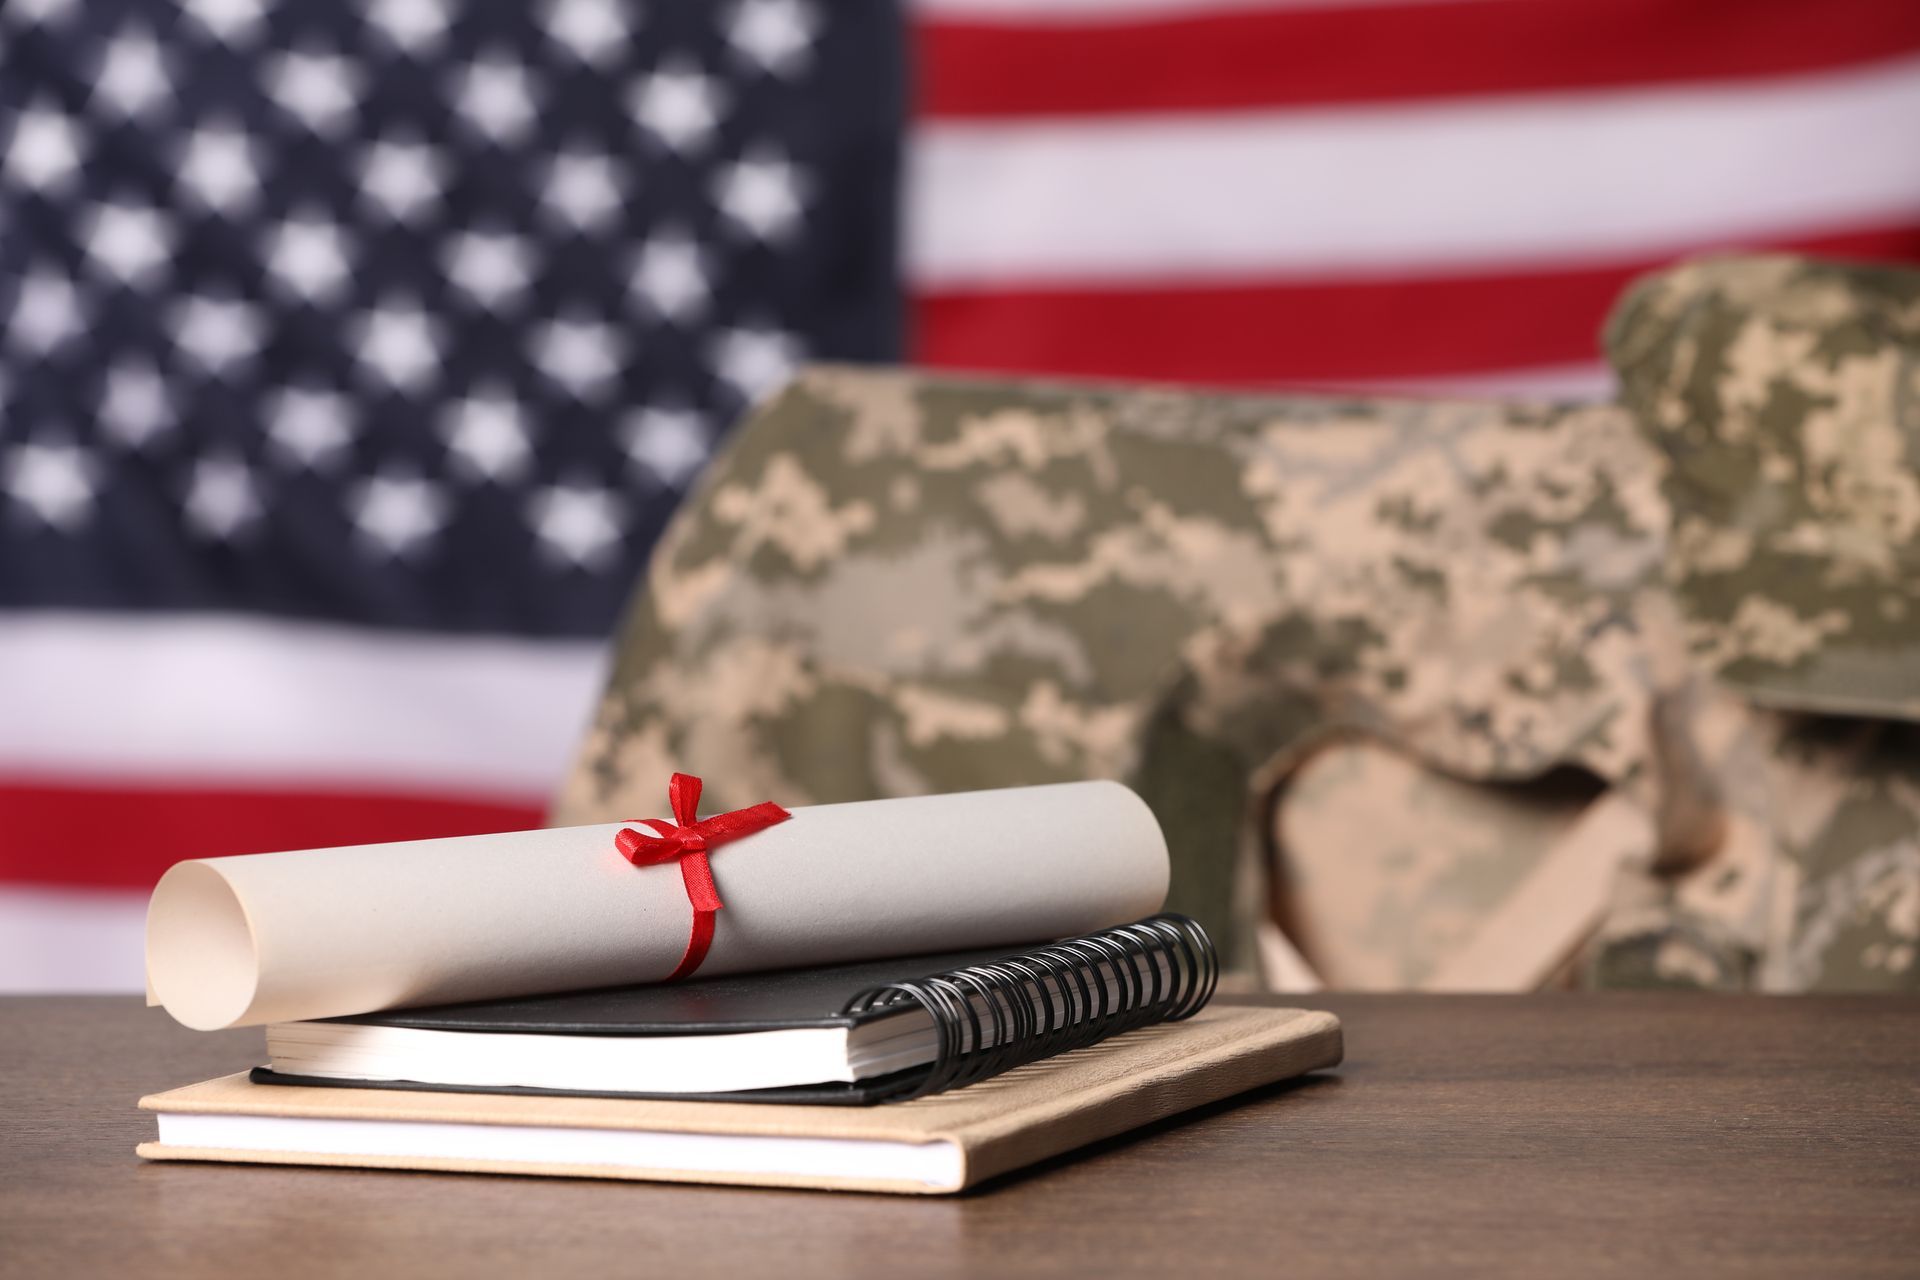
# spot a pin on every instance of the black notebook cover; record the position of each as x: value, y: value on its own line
x: 705, y: 1006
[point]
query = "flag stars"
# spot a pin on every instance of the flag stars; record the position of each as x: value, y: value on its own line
x: 679, y: 106
x: 46, y: 313
x: 754, y: 361
x: 320, y: 90
x: 44, y: 151
x: 219, y: 166
x: 398, y: 512
x: 775, y: 35
x: 669, y: 277
x: 310, y: 427
x: 761, y: 195
x: 580, y: 524
x: 226, y: 20
x: 496, y: 97
x: 488, y: 436
x: 582, y: 189
x: 412, y: 26
x: 308, y: 255
x: 593, y: 30
x: 135, y: 407
x: 399, y: 343
x: 128, y: 241
x: 491, y: 267
x: 132, y: 78
x: 403, y: 178
x: 55, y: 481
x: 581, y: 355
x: 217, y: 333
x: 670, y: 444
x: 222, y: 498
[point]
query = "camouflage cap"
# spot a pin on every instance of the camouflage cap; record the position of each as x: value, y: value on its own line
x: 1785, y: 395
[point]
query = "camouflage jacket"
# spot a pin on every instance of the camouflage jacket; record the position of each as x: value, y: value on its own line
x: 894, y: 584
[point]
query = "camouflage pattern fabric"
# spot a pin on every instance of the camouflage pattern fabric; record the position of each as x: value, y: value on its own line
x: 892, y: 585
x: 1785, y: 396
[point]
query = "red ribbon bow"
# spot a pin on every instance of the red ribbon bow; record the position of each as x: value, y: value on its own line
x: 687, y: 840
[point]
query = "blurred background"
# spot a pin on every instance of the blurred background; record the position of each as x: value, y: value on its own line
x: 353, y: 353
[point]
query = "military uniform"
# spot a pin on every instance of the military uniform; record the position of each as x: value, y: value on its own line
x: 895, y: 584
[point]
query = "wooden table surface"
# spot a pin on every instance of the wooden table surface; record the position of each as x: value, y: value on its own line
x: 1553, y: 1135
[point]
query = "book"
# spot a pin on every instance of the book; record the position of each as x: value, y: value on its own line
x: 936, y: 1144
x: 846, y: 1034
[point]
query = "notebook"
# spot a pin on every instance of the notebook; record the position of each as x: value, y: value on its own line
x: 940, y: 1143
x: 848, y: 1034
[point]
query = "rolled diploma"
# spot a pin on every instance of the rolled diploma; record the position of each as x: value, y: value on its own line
x: 281, y: 937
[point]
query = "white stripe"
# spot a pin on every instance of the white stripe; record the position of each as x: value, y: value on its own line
x: 228, y: 698
x: 1554, y: 179
x: 1586, y: 383
x: 72, y: 940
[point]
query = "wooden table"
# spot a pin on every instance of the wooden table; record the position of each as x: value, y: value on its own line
x: 1556, y: 1135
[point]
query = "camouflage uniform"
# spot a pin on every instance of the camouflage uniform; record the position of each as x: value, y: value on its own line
x: 894, y: 584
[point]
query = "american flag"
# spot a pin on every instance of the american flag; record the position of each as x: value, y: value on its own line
x: 353, y: 352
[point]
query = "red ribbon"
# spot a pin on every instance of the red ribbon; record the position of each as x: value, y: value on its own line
x: 687, y: 840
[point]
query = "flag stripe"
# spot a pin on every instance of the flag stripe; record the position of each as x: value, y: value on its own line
x: 114, y: 836
x: 1558, y: 179
x: 230, y: 699
x: 71, y: 940
x: 1286, y: 333
x: 1212, y: 60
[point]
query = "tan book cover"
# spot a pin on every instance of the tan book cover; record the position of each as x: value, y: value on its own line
x: 937, y: 1144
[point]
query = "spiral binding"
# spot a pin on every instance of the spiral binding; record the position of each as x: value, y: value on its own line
x: 1066, y: 995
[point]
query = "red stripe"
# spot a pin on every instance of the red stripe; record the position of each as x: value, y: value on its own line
x: 1379, y: 53
x: 121, y: 836
x: 1305, y: 331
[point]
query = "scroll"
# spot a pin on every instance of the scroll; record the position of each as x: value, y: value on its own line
x: 283, y: 937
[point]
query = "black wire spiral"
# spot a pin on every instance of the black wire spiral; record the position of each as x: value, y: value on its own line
x: 1066, y: 995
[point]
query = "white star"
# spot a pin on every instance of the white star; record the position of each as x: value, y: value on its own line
x: 132, y: 77
x: 226, y: 20
x: 678, y: 105
x: 129, y: 241
x: 311, y: 427
x: 54, y: 481
x: 490, y: 267
x: 403, y: 178
x: 755, y: 362
x: 401, y: 343
x: 308, y: 254
x: 670, y: 443
x: 580, y: 355
x: 136, y: 407
x: 488, y: 435
x: 593, y: 29
x: 220, y: 167
x: 321, y: 90
x: 577, y: 522
x: 582, y: 189
x: 761, y: 193
x: 46, y: 314
x: 669, y: 275
x: 414, y: 26
x: 44, y: 12
x: 44, y: 151
x: 217, y: 333
x: 222, y: 498
x: 777, y: 35
x: 496, y: 97
x: 398, y: 512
